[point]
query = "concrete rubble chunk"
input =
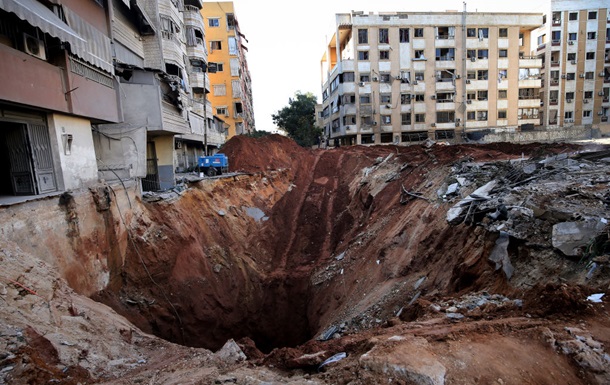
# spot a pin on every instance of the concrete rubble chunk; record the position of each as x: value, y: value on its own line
x: 456, y: 213
x: 570, y: 237
x: 410, y: 361
x: 499, y: 255
x: 230, y: 353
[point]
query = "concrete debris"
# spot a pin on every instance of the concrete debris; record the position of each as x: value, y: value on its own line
x: 328, y: 333
x: 336, y: 358
x: 456, y: 214
x: 454, y: 316
x: 230, y: 353
x: 572, y: 237
x: 499, y: 255
x: 595, y: 298
x: 452, y: 189
x: 410, y: 361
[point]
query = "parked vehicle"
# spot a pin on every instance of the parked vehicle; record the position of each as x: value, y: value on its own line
x: 216, y: 164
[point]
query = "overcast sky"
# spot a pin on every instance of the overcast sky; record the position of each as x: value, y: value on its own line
x: 287, y: 39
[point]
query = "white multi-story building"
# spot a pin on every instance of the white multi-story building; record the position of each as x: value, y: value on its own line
x: 574, y: 44
x: 405, y: 77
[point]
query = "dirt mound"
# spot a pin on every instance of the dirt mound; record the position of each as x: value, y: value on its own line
x: 272, y: 152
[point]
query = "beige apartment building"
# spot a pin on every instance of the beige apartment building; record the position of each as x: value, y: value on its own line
x: 574, y: 44
x: 405, y: 77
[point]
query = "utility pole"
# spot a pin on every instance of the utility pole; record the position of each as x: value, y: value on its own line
x: 205, y: 115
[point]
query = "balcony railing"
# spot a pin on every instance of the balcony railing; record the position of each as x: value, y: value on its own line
x: 554, y: 64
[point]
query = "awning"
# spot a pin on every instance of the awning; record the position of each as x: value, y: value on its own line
x: 40, y: 16
x: 96, y: 49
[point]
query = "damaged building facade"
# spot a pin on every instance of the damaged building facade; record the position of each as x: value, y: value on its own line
x: 95, y: 90
x: 574, y: 44
x: 406, y: 77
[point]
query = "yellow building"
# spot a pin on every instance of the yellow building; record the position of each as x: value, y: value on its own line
x: 231, y: 85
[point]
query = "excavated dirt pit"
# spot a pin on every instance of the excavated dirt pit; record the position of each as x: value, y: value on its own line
x: 305, y: 242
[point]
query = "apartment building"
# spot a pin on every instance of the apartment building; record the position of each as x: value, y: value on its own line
x: 574, y: 44
x: 101, y: 90
x: 404, y: 77
x: 231, y: 86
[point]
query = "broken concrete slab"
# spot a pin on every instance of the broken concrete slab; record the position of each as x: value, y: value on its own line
x: 411, y: 361
x: 230, y: 353
x: 455, y: 214
x: 571, y: 237
x: 499, y: 255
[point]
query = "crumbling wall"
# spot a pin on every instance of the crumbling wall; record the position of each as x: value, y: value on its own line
x: 555, y: 135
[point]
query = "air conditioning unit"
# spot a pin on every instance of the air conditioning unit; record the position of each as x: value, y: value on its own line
x: 398, y: 77
x: 433, y: 125
x: 585, y: 100
x: 457, y: 76
x: 374, y: 123
x: 34, y: 46
x: 361, y: 84
x: 581, y: 76
x: 600, y: 113
x: 178, y: 145
x: 573, y: 62
x: 602, y: 74
x: 570, y: 42
x: 473, y: 59
x: 600, y: 93
x: 433, y: 97
x: 414, y: 82
x: 375, y: 79
x: 468, y: 101
x: 467, y: 81
x: 457, y: 124
x: 563, y: 76
x: 568, y: 100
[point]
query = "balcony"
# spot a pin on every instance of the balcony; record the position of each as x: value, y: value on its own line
x: 554, y: 82
x: 172, y: 48
x: 199, y: 80
x: 556, y: 22
x: 530, y: 62
x: 529, y: 103
x: 556, y: 43
x: 554, y: 64
x: 198, y: 50
x: 193, y: 18
x: 553, y: 102
x: 541, y: 47
x: 530, y: 83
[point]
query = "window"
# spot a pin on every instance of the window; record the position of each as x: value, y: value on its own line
x: 527, y: 113
x: 220, y: 90
x: 471, y: 115
x: 483, y: 33
x: 568, y: 114
x: 419, y: 76
x: 590, y: 55
x: 386, y: 119
x: 482, y: 95
x: 215, y: 45
x: 502, y: 74
x: 222, y: 111
x: 503, y: 53
x: 573, y: 16
x: 556, y: 36
x: 482, y: 75
x: 420, y: 118
x: 363, y: 55
x: 214, y: 22
x: 591, y: 35
x: 365, y: 77
x: 570, y: 95
x: 471, y: 53
x: 349, y: 99
x: 385, y: 98
x: 572, y: 56
x: 503, y: 32
x: 471, y: 95
x: 520, y: 40
x: 418, y: 32
x: 385, y: 78
x: 502, y: 114
x: 383, y: 36
x: 481, y: 116
x: 405, y: 118
x: 445, y: 116
x: 588, y: 94
x: 586, y: 114
x: 483, y: 54
x: 363, y: 36
x: 570, y: 76
x: 405, y: 98
x: 572, y: 36
x: 232, y: 46
x: 445, y: 54
x: 471, y: 32
x: 471, y: 75
x: 502, y: 94
x: 348, y: 77
x: 592, y: 15
x: 365, y: 99
x: 419, y: 54
x: 403, y: 35
x: 384, y: 55
x: 419, y: 97
x: 220, y: 67
x: 589, y: 75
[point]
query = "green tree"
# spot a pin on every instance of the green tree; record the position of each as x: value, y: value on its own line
x: 297, y: 119
x: 258, y: 134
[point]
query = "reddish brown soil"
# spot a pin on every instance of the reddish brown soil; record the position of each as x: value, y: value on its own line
x: 200, y: 270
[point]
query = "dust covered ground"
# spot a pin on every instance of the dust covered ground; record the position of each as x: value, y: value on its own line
x: 429, y: 264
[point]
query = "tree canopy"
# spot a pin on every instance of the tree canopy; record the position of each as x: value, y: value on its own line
x: 297, y: 119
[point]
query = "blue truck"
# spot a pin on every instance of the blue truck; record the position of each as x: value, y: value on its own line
x: 213, y: 165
